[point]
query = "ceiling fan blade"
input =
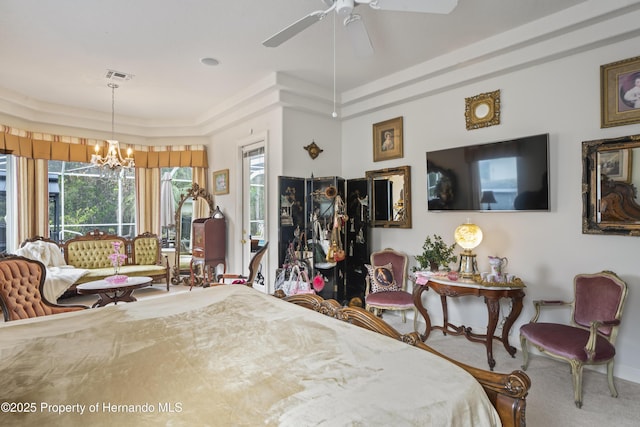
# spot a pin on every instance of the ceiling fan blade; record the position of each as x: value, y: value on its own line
x: 358, y: 35
x: 425, y: 6
x: 302, y: 24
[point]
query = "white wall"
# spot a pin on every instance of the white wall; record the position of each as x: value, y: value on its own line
x: 546, y: 250
x: 225, y: 152
x: 303, y: 128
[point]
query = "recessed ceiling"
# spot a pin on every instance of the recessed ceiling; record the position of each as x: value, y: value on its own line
x: 56, y: 53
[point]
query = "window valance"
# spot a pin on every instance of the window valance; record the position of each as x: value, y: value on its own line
x: 53, y: 147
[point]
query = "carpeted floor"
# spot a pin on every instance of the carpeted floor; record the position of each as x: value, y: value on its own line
x: 550, y: 401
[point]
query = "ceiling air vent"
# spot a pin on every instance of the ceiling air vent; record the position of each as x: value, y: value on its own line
x: 118, y: 76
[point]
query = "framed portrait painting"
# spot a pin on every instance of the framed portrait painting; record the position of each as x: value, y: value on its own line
x: 221, y: 182
x: 620, y: 92
x: 387, y: 140
x: 616, y: 164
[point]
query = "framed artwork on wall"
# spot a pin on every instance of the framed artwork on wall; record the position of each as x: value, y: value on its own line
x: 616, y: 164
x: 620, y: 92
x: 387, y: 140
x: 221, y: 182
x: 482, y: 110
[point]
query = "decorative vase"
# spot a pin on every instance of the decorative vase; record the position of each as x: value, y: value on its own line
x: 434, y: 266
x: 117, y: 278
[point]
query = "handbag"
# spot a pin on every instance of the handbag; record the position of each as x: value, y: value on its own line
x: 297, y: 283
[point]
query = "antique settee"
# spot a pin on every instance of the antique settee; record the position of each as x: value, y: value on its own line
x: 91, y: 252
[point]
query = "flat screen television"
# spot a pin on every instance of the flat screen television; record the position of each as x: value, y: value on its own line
x: 510, y: 175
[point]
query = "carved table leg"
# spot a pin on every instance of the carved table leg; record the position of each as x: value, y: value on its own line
x: 104, y: 298
x: 417, y: 301
x: 493, y: 306
x: 516, y: 308
x: 445, y: 314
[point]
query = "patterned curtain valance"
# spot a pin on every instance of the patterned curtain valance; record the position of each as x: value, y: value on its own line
x: 33, y: 145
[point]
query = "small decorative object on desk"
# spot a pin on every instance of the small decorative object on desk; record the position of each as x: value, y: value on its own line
x: 117, y: 259
x: 117, y: 279
x: 506, y: 280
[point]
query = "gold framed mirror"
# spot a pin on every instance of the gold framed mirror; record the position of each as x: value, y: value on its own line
x: 482, y: 110
x: 610, y: 203
x: 390, y: 197
x: 194, y: 193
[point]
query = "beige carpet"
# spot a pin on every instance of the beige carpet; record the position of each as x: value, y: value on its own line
x: 550, y: 401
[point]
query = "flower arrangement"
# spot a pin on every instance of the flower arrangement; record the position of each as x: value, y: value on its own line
x: 117, y: 259
x: 435, y: 253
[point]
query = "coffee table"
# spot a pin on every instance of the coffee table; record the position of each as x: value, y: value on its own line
x: 113, y: 292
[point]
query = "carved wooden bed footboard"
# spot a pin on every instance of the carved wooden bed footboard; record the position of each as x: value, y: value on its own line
x: 507, y: 392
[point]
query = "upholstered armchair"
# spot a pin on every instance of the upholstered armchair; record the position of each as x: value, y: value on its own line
x: 21, y: 281
x: 387, y: 283
x: 595, y: 317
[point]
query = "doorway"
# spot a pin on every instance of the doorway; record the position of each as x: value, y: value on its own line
x: 254, y: 209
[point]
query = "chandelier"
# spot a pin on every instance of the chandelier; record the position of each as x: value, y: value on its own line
x: 113, y: 159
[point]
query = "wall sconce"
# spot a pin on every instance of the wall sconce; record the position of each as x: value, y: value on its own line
x: 468, y: 236
x: 313, y: 150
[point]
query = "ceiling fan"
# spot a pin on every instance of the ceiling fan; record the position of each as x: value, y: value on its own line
x: 353, y: 22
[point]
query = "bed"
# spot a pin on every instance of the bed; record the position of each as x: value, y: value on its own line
x: 230, y: 355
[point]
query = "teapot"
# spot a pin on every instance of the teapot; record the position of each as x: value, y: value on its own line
x: 498, y: 265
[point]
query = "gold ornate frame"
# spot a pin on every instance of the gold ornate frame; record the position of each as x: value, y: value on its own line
x: 618, y: 92
x: 392, y: 148
x: 482, y: 110
x: 221, y: 182
x: 598, y: 189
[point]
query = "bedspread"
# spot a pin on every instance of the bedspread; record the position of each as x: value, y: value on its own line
x: 226, y: 355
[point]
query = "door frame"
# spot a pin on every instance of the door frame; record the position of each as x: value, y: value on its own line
x: 254, y: 142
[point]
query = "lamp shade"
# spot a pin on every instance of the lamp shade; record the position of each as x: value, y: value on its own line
x: 468, y: 236
x: 488, y: 197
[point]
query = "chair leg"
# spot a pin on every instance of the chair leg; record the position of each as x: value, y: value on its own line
x: 612, y: 386
x: 404, y: 316
x: 576, y: 373
x: 415, y: 320
x: 525, y: 352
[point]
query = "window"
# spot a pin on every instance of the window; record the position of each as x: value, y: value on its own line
x: 4, y: 165
x: 500, y: 176
x: 180, y: 179
x: 81, y: 200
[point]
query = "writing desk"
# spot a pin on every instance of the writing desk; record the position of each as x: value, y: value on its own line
x: 492, y: 295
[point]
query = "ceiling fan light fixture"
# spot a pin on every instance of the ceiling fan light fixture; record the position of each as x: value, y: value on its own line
x: 344, y: 7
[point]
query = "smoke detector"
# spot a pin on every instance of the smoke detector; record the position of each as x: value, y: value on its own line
x: 118, y: 76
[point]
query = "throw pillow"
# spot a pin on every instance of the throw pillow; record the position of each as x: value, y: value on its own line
x: 381, y: 278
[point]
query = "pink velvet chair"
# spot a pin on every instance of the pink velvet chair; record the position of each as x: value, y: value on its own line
x: 386, y: 287
x: 589, y: 339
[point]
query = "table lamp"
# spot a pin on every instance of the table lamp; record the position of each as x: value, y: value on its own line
x: 488, y: 198
x: 468, y: 236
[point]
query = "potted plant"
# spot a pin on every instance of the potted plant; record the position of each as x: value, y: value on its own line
x: 435, y: 253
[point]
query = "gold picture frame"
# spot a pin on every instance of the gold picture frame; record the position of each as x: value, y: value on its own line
x: 482, y: 110
x: 221, y: 182
x: 387, y: 140
x: 619, y: 93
